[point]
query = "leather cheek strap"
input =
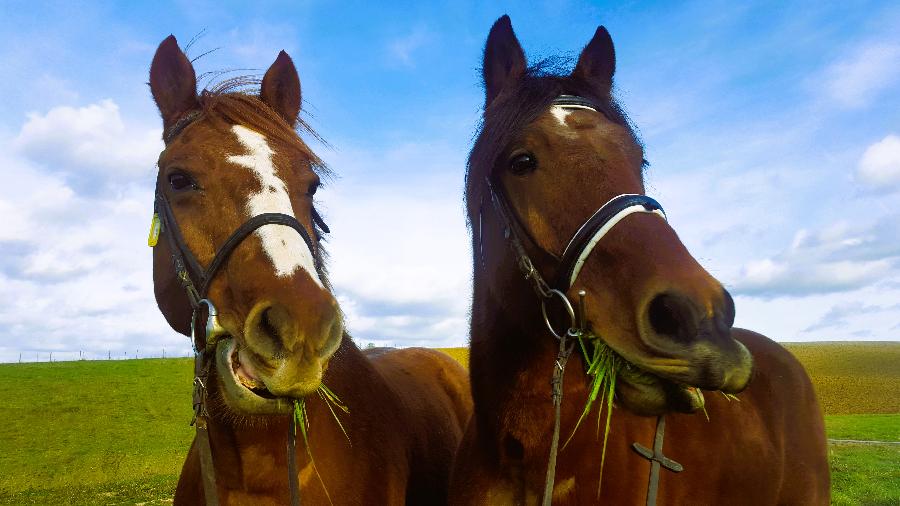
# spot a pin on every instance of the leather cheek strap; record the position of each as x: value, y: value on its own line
x: 590, y: 233
x: 205, y: 276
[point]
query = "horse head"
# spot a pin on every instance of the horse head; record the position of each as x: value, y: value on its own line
x: 554, y: 150
x: 235, y: 192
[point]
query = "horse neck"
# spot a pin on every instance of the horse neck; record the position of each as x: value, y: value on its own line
x: 512, y: 353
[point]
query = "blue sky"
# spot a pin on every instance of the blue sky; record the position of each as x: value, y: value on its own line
x: 773, y: 131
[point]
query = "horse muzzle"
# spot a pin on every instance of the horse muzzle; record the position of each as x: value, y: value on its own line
x: 655, y: 384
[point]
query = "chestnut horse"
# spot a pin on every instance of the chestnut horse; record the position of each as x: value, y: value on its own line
x: 552, y: 150
x: 233, y: 162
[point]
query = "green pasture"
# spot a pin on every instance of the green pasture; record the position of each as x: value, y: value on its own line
x: 116, y: 432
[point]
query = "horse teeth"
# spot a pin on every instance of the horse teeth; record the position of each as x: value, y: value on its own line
x: 250, y: 383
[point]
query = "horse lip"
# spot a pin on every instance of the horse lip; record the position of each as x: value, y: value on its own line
x: 239, y: 397
x: 708, y: 368
x: 648, y: 394
x: 654, y: 385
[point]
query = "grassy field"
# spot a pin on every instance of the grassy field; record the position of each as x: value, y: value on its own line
x: 107, y: 432
x: 853, y: 377
x: 116, y: 432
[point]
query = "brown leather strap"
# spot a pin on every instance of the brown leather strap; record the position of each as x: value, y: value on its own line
x: 559, y: 370
x: 207, y: 471
x: 201, y: 422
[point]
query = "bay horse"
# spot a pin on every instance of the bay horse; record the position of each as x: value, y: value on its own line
x: 240, y: 237
x: 559, y: 219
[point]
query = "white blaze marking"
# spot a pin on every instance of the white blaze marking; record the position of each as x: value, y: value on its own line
x: 560, y: 112
x: 284, y: 246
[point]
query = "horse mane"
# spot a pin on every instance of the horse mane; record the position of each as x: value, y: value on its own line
x: 231, y: 102
x: 506, y: 117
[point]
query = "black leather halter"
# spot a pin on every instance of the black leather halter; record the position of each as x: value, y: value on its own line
x: 587, y: 236
x: 189, y: 271
x: 593, y: 230
x: 196, y: 275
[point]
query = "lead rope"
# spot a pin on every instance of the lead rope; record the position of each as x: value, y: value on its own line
x: 565, y: 349
x: 201, y: 416
x: 543, y: 290
x: 292, y: 462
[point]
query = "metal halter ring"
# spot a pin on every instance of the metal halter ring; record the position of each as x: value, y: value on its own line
x: 566, y: 304
x: 214, y: 329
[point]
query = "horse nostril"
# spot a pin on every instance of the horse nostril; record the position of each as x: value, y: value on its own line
x: 266, y: 327
x: 723, y: 318
x: 673, y: 315
x: 727, y: 312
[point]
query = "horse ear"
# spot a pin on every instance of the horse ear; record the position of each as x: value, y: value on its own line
x: 597, y: 62
x: 281, y: 88
x: 504, y: 60
x: 172, y: 82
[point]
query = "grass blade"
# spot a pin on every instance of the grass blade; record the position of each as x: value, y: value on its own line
x: 301, y: 419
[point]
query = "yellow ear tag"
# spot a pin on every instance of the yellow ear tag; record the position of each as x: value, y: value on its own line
x: 154, y: 231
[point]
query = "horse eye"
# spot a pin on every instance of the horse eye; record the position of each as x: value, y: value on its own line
x: 180, y: 181
x: 312, y: 189
x: 522, y: 164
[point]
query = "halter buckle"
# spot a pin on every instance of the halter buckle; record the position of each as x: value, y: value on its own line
x: 214, y: 330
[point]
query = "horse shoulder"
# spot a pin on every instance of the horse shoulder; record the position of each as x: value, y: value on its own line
x: 783, y: 394
x: 430, y: 381
x: 434, y: 405
x: 786, y: 382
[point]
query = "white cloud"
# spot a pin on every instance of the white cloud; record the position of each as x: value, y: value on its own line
x: 768, y: 278
x: 84, y: 282
x: 89, y: 141
x: 858, y: 78
x: 840, y: 315
x: 401, y: 50
x: 75, y: 271
x: 880, y: 164
x: 869, y: 314
x: 839, y: 258
x: 400, y: 257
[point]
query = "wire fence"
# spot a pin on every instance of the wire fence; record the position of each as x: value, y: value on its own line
x: 72, y: 356
x: 33, y: 356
